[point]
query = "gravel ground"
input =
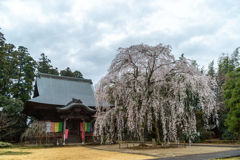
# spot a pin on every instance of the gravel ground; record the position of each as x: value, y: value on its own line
x: 73, y: 153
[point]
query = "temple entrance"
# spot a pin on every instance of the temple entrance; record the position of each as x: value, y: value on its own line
x: 74, y: 135
x: 74, y: 113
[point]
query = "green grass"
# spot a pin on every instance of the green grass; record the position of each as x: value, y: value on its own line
x: 13, y: 153
x: 231, y: 158
x: 14, y: 146
x: 37, y: 147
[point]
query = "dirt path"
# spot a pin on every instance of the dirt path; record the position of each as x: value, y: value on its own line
x: 73, y: 153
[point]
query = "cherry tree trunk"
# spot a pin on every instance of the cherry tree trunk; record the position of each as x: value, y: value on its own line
x: 114, y: 134
x: 142, y: 140
x: 157, y: 133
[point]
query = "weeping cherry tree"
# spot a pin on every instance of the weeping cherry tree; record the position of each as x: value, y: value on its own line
x: 147, y: 86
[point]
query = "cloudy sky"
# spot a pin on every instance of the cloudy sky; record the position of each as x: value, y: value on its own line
x: 84, y: 35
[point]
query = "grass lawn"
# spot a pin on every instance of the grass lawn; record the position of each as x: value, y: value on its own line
x: 232, y: 158
x: 106, y: 152
x: 13, y: 153
x: 78, y: 152
x: 37, y: 147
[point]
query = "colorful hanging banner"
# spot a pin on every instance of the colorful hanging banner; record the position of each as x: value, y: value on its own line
x: 56, y: 126
x: 91, y: 128
x: 85, y: 127
x: 60, y: 127
x: 66, y: 134
x: 81, y: 126
x: 48, y: 126
x: 88, y: 127
x: 52, y: 127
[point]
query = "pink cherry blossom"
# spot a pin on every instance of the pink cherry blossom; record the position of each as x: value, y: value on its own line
x: 146, y: 84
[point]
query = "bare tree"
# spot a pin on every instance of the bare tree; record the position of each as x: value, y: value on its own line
x: 36, y: 129
x: 148, y: 87
x: 6, y: 123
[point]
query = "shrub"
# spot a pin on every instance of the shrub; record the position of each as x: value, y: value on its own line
x: 185, y: 138
x: 227, y: 135
x: 205, y: 134
x: 5, y: 144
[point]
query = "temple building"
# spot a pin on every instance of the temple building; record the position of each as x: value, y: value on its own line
x: 67, y: 101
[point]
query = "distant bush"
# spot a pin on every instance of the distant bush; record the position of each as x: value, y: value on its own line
x: 227, y: 135
x: 185, y: 138
x: 5, y: 144
x: 205, y: 134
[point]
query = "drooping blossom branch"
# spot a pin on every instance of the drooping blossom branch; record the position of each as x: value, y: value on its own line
x: 147, y: 86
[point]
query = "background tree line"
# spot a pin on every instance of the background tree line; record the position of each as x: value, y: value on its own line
x: 227, y: 76
x: 17, y: 73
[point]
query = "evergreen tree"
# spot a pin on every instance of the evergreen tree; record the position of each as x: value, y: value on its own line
x: 232, y: 101
x: 182, y: 57
x: 226, y: 64
x: 16, y: 76
x: 25, y: 75
x: 7, y: 66
x: 211, y: 70
x: 44, y: 65
x: 78, y: 74
x: 12, y: 109
x: 68, y: 72
x: 53, y: 71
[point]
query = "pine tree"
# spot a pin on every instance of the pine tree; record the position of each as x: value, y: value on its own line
x: 7, y: 66
x: 226, y: 65
x: 232, y: 101
x: 68, y: 72
x: 211, y: 70
x: 77, y: 74
x: 25, y: 75
x: 44, y: 66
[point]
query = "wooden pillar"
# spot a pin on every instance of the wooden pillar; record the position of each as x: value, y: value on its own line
x: 78, y: 127
x: 93, y: 139
x: 83, y: 141
x: 64, y: 128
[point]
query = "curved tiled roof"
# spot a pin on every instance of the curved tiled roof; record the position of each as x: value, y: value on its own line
x: 59, y: 90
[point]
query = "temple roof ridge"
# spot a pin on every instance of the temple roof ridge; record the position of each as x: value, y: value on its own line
x: 64, y: 77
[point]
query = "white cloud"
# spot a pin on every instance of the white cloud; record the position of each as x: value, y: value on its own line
x: 84, y: 35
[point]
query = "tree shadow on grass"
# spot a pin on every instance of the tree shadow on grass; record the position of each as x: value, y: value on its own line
x: 13, y: 153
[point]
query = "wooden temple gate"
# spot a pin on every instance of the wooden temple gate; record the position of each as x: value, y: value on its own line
x: 67, y: 100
